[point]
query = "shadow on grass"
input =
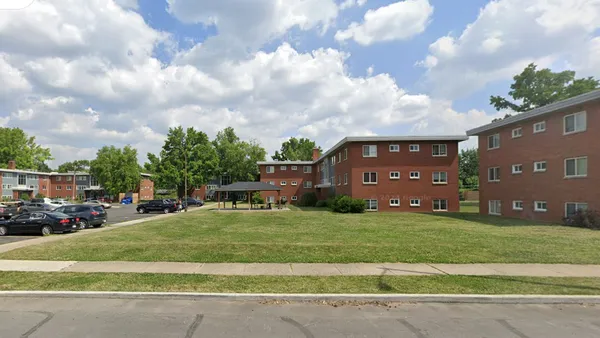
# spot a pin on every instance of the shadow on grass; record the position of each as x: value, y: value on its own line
x: 490, y: 220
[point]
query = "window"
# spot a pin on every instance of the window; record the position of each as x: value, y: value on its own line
x: 272, y: 182
x: 576, y: 167
x: 440, y: 177
x: 572, y: 208
x: 370, y: 178
x: 517, y: 168
x: 43, y: 187
x: 440, y: 205
x: 270, y: 169
x: 539, y: 127
x: 339, y: 157
x: 307, y: 169
x: 294, y: 198
x: 394, y: 175
x: 345, y: 154
x: 495, y: 208
x: 394, y: 148
x: 413, y: 148
x: 339, y: 179
x: 81, y: 178
x: 539, y: 166
x: 370, y: 151
x: 69, y: 187
x: 517, y: 132
x: 283, y: 168
x: 69, y: 178
x: 283, y: 183
x: 332, y: 158
x: 371, y: 205
x: 83, y: 187
x: 575, y: 123
x: 270, y: 199
x: 58, y: 178
x: 332, y: 180
x: 58, y: 187
x: 7, y: 175
x: 9, y: 186
x: 494, y: 141
x: 540, y: 206
x: 415, y: 202
x: 94, y: 182
x: 294, y: 183
x: 415, y: 175
x: 439, y: 150
x: 32, y: 187
x: 494, y: 174
x: 294, y: 167
x: 394, y: 202
x: 22, y: 179
x: 517, y: 205
x: 346, y: 179
x: 307, y: 184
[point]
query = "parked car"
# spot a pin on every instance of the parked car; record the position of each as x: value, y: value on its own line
x: 165, y: 206
x: 102, y: 204
x: 88, y: 214
x: 11, y: 209
x: 41, y: 222
x: 193, y: 201
x: 31, y: 207
x: 45, y: 200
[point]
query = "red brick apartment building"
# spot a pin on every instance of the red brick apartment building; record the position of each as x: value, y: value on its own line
x: 418, y: 173
x: 543, y: 164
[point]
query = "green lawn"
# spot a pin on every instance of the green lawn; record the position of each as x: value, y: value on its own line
x: 313, y: 235
x: 285, y: 284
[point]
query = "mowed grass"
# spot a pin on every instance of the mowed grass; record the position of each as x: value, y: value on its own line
x: 62, y: 281
x: 318, y: 236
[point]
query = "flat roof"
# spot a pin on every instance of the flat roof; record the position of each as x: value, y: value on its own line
x: 31, y: 172
x: 285, y: 163
x: 547, y: 109
x: 249, y: 186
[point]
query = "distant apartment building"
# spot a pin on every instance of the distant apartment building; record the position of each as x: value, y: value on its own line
x: 16, y: 182
x: 543, y: 164
x: 412, y: 174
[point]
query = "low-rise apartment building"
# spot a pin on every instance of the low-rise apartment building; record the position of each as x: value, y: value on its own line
x: 16, y: 182
x: 398, y: 173
x: 542, y: 164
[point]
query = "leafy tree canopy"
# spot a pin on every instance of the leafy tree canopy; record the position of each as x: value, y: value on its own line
x: 117, y: 170
x: 296, y: 150
x: 77, y: 166
x: 238, y: 158
x: 16, y: 145
x: 535, y: 88
x: 468, y: 167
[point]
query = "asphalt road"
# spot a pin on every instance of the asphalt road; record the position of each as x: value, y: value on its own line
x: 91, y: 318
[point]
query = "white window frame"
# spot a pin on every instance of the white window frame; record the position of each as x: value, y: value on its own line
x: 369, y: 204
x: 370, y: 172
x: 495, y: 141
x: 440, y: 153
x: 515, y: 207
x: 69, y: 188
x: 307, y: 169
x: 307, y: 184
x: 439, y: 205
x: 345, y: 178
x: 517, y: 132
x: 58, y: 178
x: 536, y: 209
x: 535, y: 167
x: 394, y: 148
x: 345, y: 154
x: 294, y: 183
x: 370, y: 151
x: 414, y: 148
x: 415, y: 177
x: 575, y: 159
x: 270, y: 169
x: 415, y: 202
x: 394, y: 175
x: 59, y: 187
x: 332, y: 158
x: 272, y: 182
x: 283, y: 167
x: 294, y: 198
x: 294, y: 167
x: 581, y: 114
x: 577, y: 204
x: 339, y: 180
x: 394, y: 202
x: 69, y: 178
x: 496, y: 176
x: 514, y: 167
x: 439, y: 174
x: 499, y: 207
x: 283, y: 183
x: 541, y: 130
x: 270, y: 199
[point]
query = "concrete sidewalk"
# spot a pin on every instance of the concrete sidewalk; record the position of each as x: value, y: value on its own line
x: 304, y: 269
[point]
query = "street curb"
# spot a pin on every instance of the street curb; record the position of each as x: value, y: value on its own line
x: 390, y: 298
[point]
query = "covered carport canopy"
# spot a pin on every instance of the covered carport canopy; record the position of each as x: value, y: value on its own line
x: 248, y: 188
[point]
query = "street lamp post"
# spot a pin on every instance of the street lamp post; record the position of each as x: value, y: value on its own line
x: 185, y: 181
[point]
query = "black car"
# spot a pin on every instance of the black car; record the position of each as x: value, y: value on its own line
x: 41, y: 222
x: 32, y: 207
x: 193, y: 201
x: 165, y: 206
x: 88, y: 214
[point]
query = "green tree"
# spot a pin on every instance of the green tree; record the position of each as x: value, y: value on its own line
x: 468, y: 167
x: 238, y: 158
x: 296, y: 150
x: 183, y: 146
x: 16, y: 145
x: 77, y: 166
x: 116, y: 170
x: 535, y: 88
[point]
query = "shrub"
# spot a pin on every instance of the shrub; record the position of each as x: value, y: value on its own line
x: 39, y: 195
x: 345, y: 204
x: 309, y: 199
x: 25, y: 196
x: 358, y: 206
x: 322, y: 204
x: 584, y: 219
x: 257, y: 199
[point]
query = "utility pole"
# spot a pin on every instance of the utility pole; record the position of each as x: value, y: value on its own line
x: 185, y: 173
